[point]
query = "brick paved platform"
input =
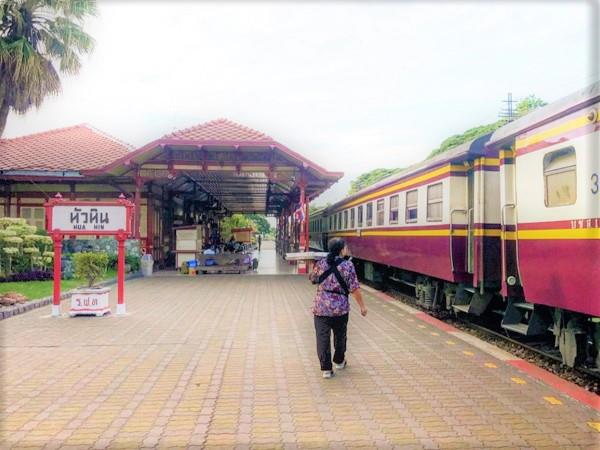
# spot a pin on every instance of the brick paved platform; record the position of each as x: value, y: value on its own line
x: 229, y: 361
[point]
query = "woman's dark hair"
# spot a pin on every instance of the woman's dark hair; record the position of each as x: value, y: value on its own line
x: 335, y: 247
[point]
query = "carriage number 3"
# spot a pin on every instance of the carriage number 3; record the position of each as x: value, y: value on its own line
x: 595, y: 183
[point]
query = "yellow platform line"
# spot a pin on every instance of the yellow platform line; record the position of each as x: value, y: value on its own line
x: 594, y: 425
x: 553, y: 400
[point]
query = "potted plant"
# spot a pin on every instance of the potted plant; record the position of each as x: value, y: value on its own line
x: 91, y: 300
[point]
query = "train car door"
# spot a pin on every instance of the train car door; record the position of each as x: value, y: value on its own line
x: 470, y: 220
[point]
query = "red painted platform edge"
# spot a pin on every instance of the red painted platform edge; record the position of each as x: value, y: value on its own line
x: 558, y: 383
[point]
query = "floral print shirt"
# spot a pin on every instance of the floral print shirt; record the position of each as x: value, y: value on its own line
x: 328, y: 302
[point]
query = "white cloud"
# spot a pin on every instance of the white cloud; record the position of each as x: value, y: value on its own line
x: 352, y: 86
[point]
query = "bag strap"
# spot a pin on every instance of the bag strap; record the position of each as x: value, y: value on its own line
x: 333, y: 269
x: 328, y: 272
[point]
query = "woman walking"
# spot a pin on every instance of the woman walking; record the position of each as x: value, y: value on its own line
x: 336, y: 278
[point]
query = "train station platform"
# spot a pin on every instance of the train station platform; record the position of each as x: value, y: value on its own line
x: 229, y: 362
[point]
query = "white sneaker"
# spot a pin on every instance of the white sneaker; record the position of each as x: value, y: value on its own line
x: 340, y: 366
x: 328, y: 374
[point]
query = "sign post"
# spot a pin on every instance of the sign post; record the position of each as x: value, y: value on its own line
x: 57, y: 239
x: 72, y: 218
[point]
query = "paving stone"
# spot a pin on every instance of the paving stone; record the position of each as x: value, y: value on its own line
x: 229, y: 362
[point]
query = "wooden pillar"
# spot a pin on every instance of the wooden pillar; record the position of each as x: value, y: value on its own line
x: 306, y: 224
x: 7, y: 200
x: 137, y: 209
x: 302, y: 238
x: 72, y: 194
x: 150, y: 221
x: 57, y: 240
x: 121, y: 309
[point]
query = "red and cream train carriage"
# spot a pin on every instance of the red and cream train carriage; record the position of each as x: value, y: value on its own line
x: 510, y: 219
x: 550, y: 199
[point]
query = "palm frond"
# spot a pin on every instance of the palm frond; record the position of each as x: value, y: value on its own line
x: 36, y: 38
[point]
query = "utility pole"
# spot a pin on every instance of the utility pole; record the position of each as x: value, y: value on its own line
x: 508, y: 112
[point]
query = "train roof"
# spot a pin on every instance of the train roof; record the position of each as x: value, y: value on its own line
x: 548, y: 113
x: 317, y: 212
x: 459, y: 153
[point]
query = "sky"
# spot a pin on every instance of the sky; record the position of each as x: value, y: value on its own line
x: 350, y: 85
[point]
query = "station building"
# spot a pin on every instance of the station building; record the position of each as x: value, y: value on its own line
x: 194, y: 176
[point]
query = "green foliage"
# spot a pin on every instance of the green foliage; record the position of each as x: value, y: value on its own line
x: 235, y: 221
x: 528, y: 104
x: 133, y: 261
x: 90, y: 266
x: 525, y: 106
x: 257, y: 222
x: 38, y: 289
x: 369, y: 178
x: 262, y: 225
x: 22, y: 247
x: 39, y: 38
x: 469, y: 135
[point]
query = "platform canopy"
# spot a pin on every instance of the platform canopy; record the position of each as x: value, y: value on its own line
x: 237, y: 168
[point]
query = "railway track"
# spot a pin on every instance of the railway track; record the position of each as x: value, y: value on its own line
x: 541, y: 353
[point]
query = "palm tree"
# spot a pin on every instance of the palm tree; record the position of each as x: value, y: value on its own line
x: 39, y: 38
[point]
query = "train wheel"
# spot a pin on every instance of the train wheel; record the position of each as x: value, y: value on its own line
x: 571, y: 344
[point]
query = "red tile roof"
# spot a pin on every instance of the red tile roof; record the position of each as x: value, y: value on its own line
x: 220, y: 129
x: 78, y: 147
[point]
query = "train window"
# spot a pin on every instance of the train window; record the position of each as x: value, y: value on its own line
x: 434, y: 202
x: 339, y: 222
x: 369, y: 214
x: 346, y: 219
x: 394, y: 205
x: 330, y: 222
x: 560, y: 178
x: 352, y: 218
x: 411, y: 205
x: 380, y: 211
x: 359, y: 217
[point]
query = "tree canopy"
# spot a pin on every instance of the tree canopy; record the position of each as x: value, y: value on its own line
x: 235, y: 221
x: 262, y: 225
x: 369, y: 178
x: 525, y: 106
x: 257, y: 222
x: 528, y: 104
x: 469, y: 135
x: 39, y: 38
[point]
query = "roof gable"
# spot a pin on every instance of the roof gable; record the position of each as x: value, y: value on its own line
x: 219, y: 130
x: 79, y: 147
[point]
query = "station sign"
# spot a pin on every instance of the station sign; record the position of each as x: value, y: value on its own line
x: 74, y: 218
x: 91, y: 218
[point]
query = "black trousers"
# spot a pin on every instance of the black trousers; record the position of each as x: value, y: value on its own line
x: 323, y: 327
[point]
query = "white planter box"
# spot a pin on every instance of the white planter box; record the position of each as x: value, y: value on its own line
x: 90, y: 301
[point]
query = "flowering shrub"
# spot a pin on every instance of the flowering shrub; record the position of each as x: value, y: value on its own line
x: 31, y: 275
x: 23, y: 247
